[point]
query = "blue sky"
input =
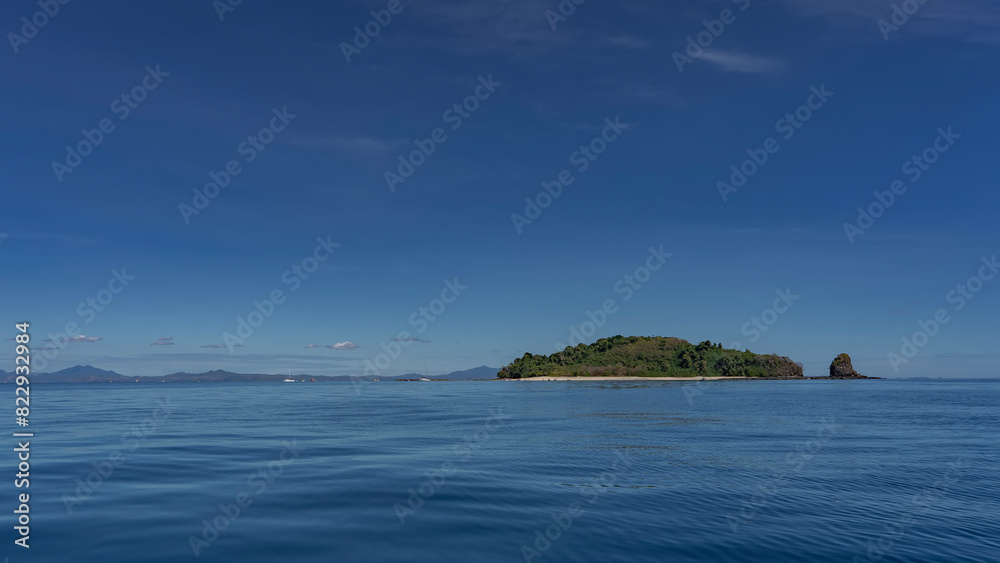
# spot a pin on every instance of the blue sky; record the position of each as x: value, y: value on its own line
x: 207, y: 83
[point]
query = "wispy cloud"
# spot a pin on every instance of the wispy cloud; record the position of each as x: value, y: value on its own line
x: 858, y: 8
x: 515, y: 27
x: 69, y: 239
x: 337, y: 191
x: 968, y: 20
x: 731, y: 61
x: 409, y: 339
x: 81, y: 338
x: 629, y: 41
x: 163, y: 341
x: 338, y: 346
x: 221, y: 346
x: 354, y: 145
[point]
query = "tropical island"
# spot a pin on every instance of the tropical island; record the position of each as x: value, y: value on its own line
x: 651, y: 356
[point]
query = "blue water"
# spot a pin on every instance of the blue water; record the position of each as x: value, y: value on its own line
x: 651, y: 471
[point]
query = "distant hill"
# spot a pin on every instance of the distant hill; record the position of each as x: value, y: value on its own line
x: 75, y: 374
x: 651, y: 356
x: 479, y: 373
x: 90, y: 374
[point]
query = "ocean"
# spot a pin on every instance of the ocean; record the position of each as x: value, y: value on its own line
x: 484, y: 472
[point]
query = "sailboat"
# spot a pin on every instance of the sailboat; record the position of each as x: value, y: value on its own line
x: 424, y: 378
x: 289, y: 380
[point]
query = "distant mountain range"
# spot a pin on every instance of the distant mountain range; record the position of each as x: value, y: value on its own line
x: 90, y: 374
x: 481, y: 372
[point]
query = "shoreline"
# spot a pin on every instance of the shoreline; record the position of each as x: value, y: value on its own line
x: 630, y: 378
x: 657, y: 378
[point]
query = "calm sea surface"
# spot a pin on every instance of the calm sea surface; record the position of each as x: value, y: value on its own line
x: 512, y: 471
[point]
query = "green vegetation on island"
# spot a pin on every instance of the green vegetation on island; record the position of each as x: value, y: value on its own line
x: 650, y: 356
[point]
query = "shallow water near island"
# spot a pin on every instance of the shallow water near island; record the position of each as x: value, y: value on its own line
x: 481, y: 471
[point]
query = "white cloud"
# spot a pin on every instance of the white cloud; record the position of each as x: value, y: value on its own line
x: 338, y: 346
x: 81, y: 338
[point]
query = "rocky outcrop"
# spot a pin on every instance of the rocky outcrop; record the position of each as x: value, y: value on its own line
x: 841, y: 368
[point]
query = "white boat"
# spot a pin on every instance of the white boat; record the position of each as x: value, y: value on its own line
x: 289, y: 380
